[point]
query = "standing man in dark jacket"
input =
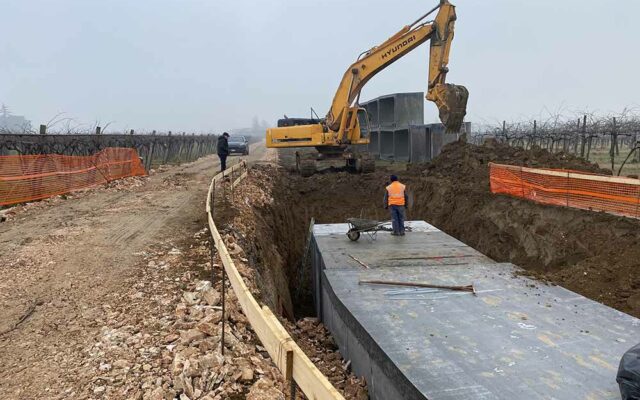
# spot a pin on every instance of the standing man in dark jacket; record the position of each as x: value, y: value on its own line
x: 395, y: 198
x: 223, y: 150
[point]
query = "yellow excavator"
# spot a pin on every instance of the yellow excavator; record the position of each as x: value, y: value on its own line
x: 341, y: 128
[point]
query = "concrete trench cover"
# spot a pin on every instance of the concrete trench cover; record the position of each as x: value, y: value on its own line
x: 517, y: 339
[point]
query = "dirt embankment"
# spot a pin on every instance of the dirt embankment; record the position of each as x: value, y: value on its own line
x: 265, y: 230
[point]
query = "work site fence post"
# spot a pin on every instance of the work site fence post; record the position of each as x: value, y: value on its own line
x: 224, y: 188
x: 522, y: 181
x: 213, y: 245
x: 231, y: 181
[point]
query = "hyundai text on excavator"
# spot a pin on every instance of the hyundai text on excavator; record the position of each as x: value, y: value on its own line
x: 341, y: 128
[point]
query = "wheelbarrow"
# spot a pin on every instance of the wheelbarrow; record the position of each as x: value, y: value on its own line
x: 369, y: 226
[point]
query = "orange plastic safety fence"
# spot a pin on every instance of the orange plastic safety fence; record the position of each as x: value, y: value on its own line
x: 616, y: 195
x: 33, y: 177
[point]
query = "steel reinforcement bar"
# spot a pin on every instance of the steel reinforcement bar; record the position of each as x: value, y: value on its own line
x: 285, y: 353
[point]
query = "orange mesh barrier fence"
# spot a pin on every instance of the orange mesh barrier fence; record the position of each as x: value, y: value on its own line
x: 612, y: 194
x: 34, y: 177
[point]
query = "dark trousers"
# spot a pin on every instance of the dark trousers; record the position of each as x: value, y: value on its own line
x: 223, y: 161
x: 397, y: 219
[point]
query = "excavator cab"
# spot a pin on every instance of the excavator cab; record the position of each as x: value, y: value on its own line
x: 356, y: 127
x: 364, y: 123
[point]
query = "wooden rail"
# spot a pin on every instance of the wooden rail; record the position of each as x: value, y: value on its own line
x: 285, y: 353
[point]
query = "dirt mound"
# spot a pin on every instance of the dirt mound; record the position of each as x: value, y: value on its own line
x: 470, y: 162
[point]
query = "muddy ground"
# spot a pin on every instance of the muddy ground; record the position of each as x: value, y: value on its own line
x: 592, y: 253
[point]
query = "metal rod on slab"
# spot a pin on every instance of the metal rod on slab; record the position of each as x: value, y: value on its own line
x: 431, y: 258
x: 358, y: 261
x: 467, y: 288
x: 399, y: 292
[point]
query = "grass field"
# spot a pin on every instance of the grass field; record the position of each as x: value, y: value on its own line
x: 601, y: 156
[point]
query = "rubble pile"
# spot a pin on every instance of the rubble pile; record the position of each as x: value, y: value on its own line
x: 162, y: 341
x: 316, y: 341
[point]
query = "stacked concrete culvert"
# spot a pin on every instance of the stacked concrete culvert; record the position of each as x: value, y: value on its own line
x: 398, y: 132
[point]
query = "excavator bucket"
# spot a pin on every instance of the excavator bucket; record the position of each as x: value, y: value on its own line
x: 452, y: 105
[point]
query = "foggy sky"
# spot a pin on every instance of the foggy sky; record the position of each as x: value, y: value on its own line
x: 211, y: 65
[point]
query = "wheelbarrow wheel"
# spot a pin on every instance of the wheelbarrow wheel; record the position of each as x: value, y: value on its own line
x: 353, y: 234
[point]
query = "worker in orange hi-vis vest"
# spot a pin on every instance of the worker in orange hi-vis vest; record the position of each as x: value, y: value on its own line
x: 395, y: 199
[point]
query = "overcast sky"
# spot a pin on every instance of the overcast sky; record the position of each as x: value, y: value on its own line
x: 211, y: 65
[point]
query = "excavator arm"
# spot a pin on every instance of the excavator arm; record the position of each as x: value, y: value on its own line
x: 450, y: 99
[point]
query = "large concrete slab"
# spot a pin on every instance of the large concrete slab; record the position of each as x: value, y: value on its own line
x: 517, y: 339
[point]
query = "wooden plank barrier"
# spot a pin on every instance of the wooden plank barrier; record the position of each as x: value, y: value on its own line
x: 284, y: 351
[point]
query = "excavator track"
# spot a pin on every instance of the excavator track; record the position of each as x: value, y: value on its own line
x: 305, y: 165
x: 362, y: 163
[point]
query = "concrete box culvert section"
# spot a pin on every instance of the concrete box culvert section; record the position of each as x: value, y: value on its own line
x: 386, y: 145
x: 396, y: 110
x: 409, y: 109
x: 420, y: 144
x: 517, y: 339
x: 397, y: 130
x: 374, y: 142
x: 401, y: 145
x: 372, y: 112
x: 386, y: 112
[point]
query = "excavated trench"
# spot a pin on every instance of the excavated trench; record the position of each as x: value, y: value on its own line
x: 327, y: 198
x: 273, y: 231
x: 594, y: 254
